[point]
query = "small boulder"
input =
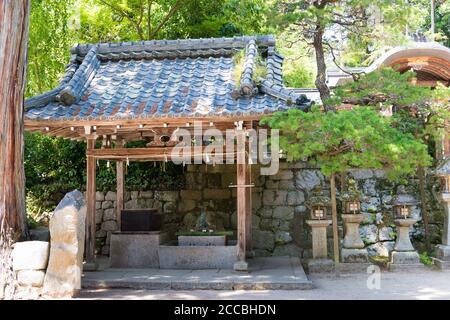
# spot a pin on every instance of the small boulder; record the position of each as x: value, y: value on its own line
x: 31, y: 278
x: 30, y: 255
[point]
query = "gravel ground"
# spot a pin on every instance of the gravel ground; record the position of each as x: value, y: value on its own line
x: 424, y: 285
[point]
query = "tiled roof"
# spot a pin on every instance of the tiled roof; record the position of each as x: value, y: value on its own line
x: 443, y: 168
x: 179, y: 78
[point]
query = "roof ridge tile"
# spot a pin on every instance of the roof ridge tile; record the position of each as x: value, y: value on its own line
x: 247, y: 85
x: 74, y: 89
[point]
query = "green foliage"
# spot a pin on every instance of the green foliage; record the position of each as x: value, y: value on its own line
x: 38, y: 209
x: 54, y: 167
x: 49, y: 43
x: 425, y: 259
x: 420, y: 111
x: 260, y: 70
x: 385, y: 86
x: 49, y: 160
x: 298, y: 68
x: 393, y: 234
x: 386, y: 29
x: 339, y: 141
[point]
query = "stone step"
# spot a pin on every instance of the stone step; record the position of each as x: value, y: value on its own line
x: 271, y: 273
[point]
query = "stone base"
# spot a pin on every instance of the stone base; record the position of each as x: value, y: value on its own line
x: 201, y: 257
x: 443, y: 252
x: 241, y: 266
x: 406, y: 267
x: 405, y: 257
x: 405, y: 261
x: 353, y: 267
x: 321, y: 266
x: 442, y: 260
x: 135, y: 249
x: 90, y: 266
x: 441, y: 264
x: 354, y: 255
x: 27, y: 293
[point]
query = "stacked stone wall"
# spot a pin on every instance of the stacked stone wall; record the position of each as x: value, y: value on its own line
x: 279, y: 210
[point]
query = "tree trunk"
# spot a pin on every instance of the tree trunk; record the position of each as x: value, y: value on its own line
x: 321, y: 77
x: 335, y: 221
x: 433, y: 17
x: 14, y: 20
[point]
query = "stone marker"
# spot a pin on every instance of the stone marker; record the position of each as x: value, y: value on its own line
x: 67, y: 232
x: 320, y: 261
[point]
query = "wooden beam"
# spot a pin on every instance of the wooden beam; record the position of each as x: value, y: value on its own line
x: 171, y: 122
x: 90, y: 203
x: 151, y: 153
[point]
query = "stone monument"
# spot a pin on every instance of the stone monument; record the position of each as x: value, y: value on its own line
x: 67, y: 234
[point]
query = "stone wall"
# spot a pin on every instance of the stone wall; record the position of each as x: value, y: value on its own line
x: 30, y: 261
x: 279, y: 211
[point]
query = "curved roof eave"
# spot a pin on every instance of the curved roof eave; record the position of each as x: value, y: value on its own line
x: 415, y: 49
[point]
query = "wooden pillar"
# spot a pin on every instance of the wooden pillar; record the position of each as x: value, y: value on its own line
x: 120, y: 175
x: 241, y: 264
x: 90, y: 199
x: 248, y: 211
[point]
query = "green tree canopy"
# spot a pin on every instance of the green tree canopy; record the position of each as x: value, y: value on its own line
x: 421, y: 111
x: 348, y: 139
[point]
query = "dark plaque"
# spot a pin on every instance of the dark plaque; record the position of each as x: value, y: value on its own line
x: 141, y: 220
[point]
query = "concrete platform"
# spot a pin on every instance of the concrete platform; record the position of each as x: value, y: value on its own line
x: 271, y: 273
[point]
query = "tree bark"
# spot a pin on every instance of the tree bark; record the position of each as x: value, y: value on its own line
x: 321, y: 77
x: 335, y: 221
x: 14, y: 22
x: 423, y: 200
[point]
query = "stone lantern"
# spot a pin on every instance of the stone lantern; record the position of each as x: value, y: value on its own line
x: 442, y: 260
x: 353, y: 250
x: 404, y: 255
x: 318, y: 204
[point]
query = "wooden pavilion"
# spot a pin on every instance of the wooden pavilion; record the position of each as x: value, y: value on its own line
x: 115, y: 93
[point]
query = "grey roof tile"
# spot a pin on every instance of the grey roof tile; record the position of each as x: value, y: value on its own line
x: 127, y: 81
